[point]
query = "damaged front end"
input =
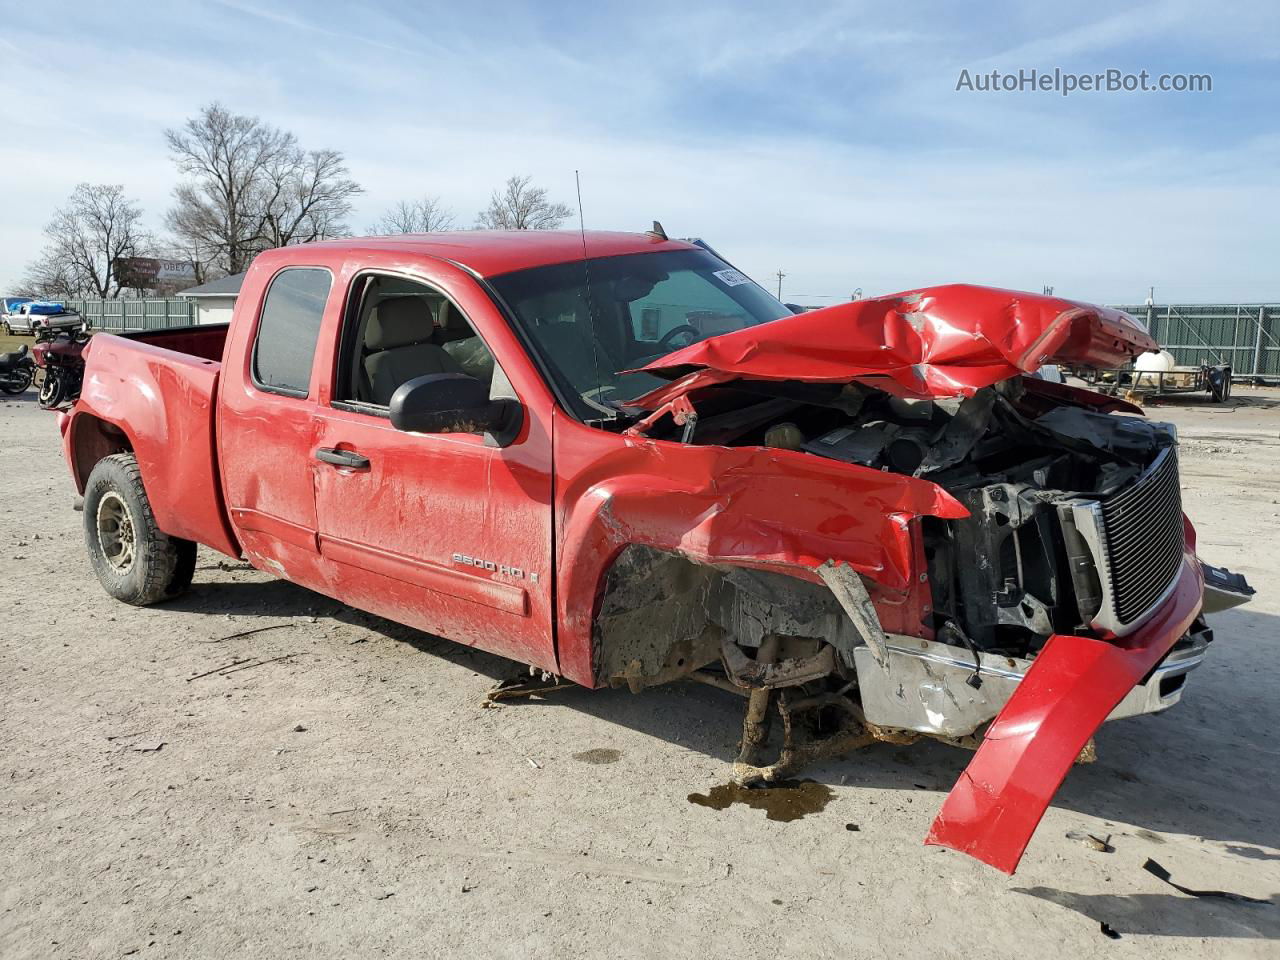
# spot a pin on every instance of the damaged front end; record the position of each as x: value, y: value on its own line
x: 1055, y: 587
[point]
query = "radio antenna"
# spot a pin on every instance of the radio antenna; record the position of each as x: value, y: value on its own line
x: 591, y: 322
x: 582, y: 224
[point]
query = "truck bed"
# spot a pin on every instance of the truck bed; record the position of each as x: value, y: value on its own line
x: 158, y: 389
x: 205, y: 341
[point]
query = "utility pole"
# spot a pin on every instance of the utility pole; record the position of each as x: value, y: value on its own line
x: 779, y: 275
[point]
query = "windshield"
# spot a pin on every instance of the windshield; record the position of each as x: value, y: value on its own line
x: 620, y: 313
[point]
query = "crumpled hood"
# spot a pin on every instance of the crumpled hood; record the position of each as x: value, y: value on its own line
x: 933, y: 342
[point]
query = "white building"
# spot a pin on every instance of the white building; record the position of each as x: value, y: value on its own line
x: 215, y: 299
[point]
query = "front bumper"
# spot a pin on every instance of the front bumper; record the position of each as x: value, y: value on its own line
x: 930, y: 687
x: 1070, y: 689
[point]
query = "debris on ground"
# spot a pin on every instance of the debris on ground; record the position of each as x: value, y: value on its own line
x: 598, y: 755
x: 249, y: 633
x: 235, y: 666
x: 514, y: 687
x: 1091, y: 841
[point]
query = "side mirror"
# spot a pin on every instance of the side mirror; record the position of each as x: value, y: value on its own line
x: 454, y: 403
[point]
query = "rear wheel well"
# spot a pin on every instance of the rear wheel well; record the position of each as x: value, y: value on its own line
x: 92, y: 440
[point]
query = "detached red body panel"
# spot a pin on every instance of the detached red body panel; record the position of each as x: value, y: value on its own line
x: 933, y: 342
x: 1075, y: 682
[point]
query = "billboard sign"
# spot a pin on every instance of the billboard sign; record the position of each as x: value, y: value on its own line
x: 147, y: 272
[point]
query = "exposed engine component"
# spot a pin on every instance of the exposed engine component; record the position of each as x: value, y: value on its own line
x: 1027, y: 562
x: 784, y: 436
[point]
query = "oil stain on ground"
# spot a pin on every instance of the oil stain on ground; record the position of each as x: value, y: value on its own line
x: 599, y: 755
x: 785, y: 800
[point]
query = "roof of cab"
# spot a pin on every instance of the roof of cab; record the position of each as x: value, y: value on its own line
x: 494, y: 252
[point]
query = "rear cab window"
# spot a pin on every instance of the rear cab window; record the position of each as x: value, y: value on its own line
x: 285, y: 344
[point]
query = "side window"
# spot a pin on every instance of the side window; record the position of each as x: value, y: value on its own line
x: 398, y: 329
x: 288, y: 329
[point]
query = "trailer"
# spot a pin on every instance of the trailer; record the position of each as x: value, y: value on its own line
x: 1141, y: 385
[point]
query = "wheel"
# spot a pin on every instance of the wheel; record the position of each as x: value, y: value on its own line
x: 53, y: 390
x: 135, y: 561
x: 8, y: 330
x: 18, y: 382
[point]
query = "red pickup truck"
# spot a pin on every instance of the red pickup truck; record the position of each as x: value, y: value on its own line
x: 615, y: 458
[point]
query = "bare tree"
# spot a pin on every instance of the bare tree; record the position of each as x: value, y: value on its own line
x: 519, y: 206
x: 85, y: 238
x: 46, y: 278
x: 251, y: 188
x: 427, y: 215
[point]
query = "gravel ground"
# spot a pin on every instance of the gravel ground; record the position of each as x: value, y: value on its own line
x: 354, y: 799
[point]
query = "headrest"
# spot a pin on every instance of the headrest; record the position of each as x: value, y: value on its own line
x: 399, y: 322
x: 453, y: 325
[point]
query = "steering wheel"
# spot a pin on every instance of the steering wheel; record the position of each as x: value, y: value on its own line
x: 683, y: 328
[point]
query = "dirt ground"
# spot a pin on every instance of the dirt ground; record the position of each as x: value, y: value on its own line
x: 353, y: 799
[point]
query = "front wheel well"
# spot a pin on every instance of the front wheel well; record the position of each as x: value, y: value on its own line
x: 661, y: 615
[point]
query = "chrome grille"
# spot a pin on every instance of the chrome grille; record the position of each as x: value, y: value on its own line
x: 1142, y: 528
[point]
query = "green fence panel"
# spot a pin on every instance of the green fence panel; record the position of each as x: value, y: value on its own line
x: 122, y: 316
x: 1245, y: 335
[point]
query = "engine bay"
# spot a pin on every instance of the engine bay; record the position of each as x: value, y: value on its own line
x: 1015, y: 454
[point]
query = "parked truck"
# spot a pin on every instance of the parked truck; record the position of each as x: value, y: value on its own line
x: 616, y: 459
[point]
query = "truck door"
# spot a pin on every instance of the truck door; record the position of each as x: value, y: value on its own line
x: 266, y: 417
x: 444, y: 532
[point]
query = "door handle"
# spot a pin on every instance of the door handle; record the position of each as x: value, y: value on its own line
x: 343, y: 458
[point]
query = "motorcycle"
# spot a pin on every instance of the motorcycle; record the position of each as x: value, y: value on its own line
x: 58, y: 352
x: 17, y: 371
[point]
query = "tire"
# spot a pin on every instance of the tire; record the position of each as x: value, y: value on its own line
x: 53, y: 390
x: 135, y: 561
x: 8, y: 330
x: 13, y: 388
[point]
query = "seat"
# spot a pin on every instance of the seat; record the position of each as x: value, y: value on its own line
x: 462, y: 343
x: 10, y: 360
x: 398, y: 340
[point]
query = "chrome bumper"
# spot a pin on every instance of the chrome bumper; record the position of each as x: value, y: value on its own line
x: 1164, y: 687
x: 927, y: 686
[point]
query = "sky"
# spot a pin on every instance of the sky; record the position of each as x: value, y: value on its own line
x: 828, y: 141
